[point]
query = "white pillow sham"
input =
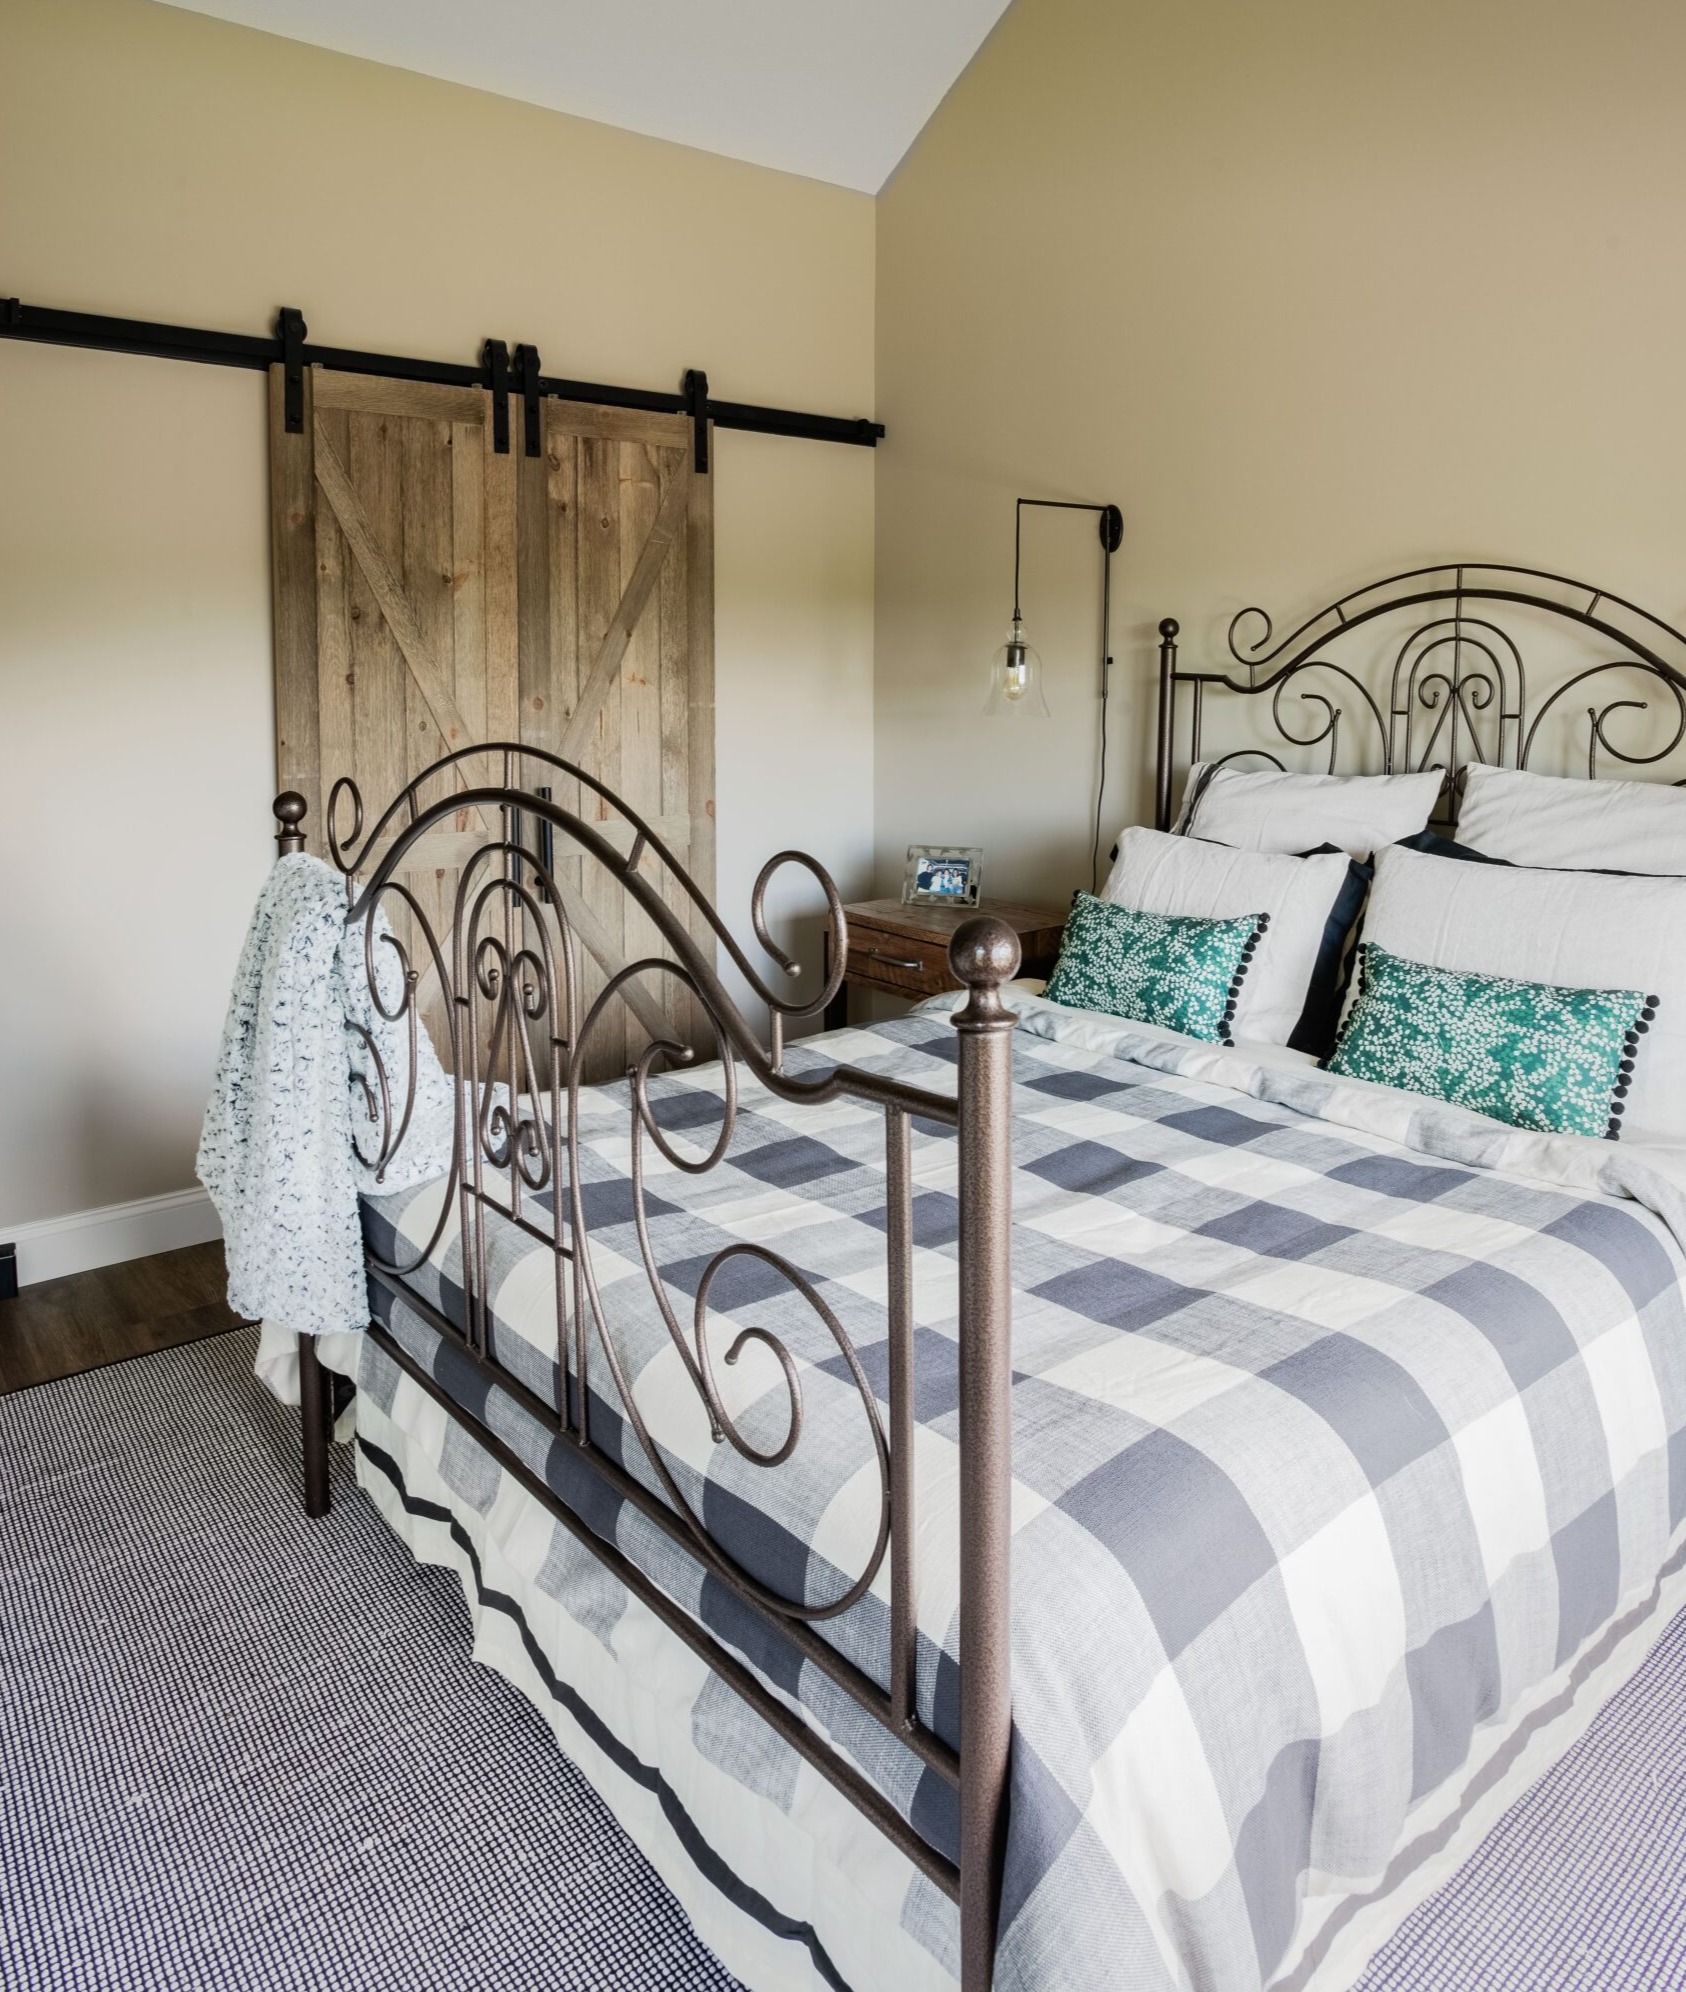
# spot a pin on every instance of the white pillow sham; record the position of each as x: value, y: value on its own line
x: 1573, y: 929
x: 1264, y: 809
x: 1157, y: 873
x: 1532, y: 819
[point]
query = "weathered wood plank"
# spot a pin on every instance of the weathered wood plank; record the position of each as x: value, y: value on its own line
x: 427, y: 579
x: 369, y: 394
x: 377, y: 664
x: 468, y: 575
x: 335, y: 672
x: 699, y: 625
x: 622, y: 425
x: 503, y: 719
x: 595, y: 743
x: 641, y: 768
x: 562, y: 558
x: 672, y: 611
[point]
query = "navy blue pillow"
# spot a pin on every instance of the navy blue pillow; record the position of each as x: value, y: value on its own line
x: 1436, y: 846
x: 1433, y: 845
x: 1315, y: 1031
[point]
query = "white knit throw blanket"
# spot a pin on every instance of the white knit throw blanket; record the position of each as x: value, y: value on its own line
x: 288, y: 1143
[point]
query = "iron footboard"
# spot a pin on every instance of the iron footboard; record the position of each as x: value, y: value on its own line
x: 519, y: 1010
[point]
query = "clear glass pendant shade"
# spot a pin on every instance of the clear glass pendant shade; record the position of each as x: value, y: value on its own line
x: 1015, y: 678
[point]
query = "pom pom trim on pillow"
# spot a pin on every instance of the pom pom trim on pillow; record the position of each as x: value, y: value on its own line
x: 1536, y: 1055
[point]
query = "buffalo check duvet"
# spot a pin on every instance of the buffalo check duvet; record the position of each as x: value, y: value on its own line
x: 1349, y: 1429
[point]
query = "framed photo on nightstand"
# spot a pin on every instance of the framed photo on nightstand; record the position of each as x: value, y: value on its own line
x: 942, y: 875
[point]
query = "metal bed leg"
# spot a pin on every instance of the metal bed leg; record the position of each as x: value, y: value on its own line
x: 290, y: 808
x: 313, y: 1422
x: 984, y: 953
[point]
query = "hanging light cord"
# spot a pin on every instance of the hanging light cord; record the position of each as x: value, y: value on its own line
x: 1112, y: 533
x: 1106, y: 688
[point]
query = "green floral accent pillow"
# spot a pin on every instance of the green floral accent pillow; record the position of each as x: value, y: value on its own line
x: 1157, y: 968
x: 1558, y: 1061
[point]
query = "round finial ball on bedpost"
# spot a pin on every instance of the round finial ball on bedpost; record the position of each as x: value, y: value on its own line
x: 983, y: 954
x: 1168, y: 629
x: 289, y: 809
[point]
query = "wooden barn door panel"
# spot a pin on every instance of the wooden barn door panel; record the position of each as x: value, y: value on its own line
x: 430, y: 593
x: 412, y: 542
x: 617, y: 673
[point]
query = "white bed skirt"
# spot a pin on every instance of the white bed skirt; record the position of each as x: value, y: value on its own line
x: 819, y: 1865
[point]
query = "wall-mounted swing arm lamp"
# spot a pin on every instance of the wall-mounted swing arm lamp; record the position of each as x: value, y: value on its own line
x: 1015, y: 677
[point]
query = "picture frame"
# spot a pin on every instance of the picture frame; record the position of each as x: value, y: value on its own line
x: 943, y: 875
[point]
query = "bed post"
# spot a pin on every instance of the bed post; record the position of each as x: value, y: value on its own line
x: 983, y: 954
x: 1167, y: 722
x: 290, y: 808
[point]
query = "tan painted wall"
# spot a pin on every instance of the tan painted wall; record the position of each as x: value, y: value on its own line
x: 1313, y: 290
x: 160, y: 164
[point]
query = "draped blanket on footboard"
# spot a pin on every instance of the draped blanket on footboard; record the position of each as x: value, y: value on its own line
x: 1343, y: 1424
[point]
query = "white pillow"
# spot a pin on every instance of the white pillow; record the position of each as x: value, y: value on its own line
x: 1156, y: 873
x: 1579, y: 826
x: 1570, y: 928
x: 1263, y: 809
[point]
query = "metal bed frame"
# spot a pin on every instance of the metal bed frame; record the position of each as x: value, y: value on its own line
x: 1455, y: 693
x: 520, y: 1042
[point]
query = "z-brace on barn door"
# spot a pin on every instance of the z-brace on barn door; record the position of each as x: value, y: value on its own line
x: 431, y: 592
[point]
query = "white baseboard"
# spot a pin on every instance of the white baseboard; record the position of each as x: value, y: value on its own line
x: 51, y: 1247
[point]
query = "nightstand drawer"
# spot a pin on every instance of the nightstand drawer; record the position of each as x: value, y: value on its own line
x: 916, y: 966
x: 903, y: 950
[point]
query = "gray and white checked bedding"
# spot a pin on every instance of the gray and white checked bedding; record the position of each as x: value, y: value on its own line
x: 1343, y: 1423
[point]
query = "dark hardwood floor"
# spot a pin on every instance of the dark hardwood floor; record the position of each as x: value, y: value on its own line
x: 62, y: 1326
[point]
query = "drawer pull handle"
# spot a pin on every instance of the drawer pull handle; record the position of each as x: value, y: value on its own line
x: 891, y: 961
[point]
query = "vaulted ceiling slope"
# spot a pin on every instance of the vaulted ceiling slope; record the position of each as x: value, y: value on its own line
x: 834, y: 89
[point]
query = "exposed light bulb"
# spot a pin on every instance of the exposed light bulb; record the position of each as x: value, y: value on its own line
x: 1015, y: 683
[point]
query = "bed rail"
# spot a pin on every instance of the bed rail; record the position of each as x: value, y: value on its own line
x: 521, y: 828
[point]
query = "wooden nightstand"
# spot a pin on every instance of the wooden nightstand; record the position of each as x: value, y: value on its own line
x: 903, y: 950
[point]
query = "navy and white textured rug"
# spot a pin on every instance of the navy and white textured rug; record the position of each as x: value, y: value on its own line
x: 238, y: 1749
x: 243, y: 1750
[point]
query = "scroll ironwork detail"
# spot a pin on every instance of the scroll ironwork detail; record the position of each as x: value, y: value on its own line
x: 520, y: 1040
x: 1454, y: 687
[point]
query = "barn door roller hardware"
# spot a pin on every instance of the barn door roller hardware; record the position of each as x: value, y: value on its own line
x: 291, y: 349
x: 527, y: 366
x: 696, y: 406
x: 496, y: 359
x: 290, y: 329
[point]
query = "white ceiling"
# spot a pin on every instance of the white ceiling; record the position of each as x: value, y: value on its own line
x: 835, y: 89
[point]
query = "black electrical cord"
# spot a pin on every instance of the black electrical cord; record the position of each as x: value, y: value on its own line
x: 1106, y: 688
x: 1111, y: 524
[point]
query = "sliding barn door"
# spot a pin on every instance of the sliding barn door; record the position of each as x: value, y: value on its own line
x: 616, y: 577
x: 431, y: 593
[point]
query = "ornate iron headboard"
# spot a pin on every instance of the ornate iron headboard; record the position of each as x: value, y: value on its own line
x: 1441, y: 682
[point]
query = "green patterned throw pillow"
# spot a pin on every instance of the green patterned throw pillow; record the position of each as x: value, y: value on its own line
x: 1155, y: 968
x: 1558, y: 1061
